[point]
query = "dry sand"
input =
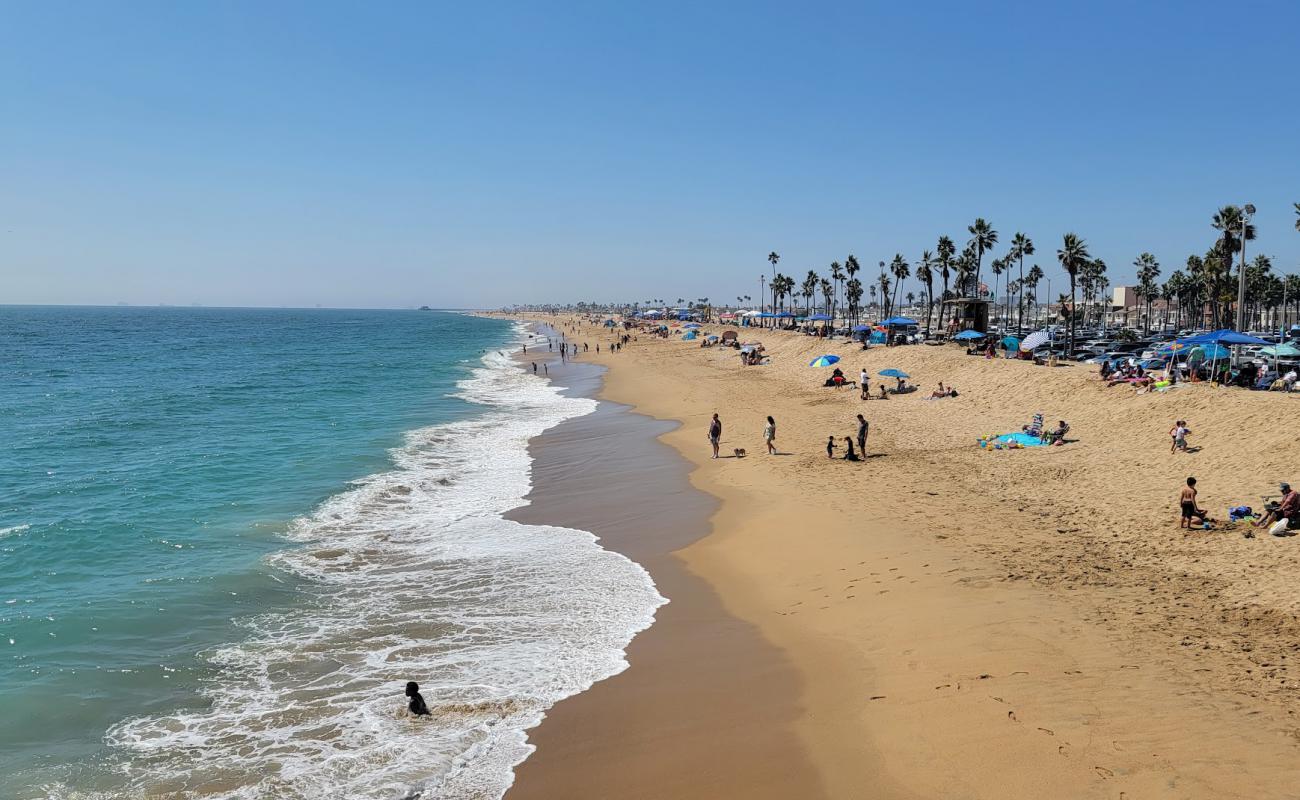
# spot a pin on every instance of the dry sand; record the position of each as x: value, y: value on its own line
x: 983, y: 624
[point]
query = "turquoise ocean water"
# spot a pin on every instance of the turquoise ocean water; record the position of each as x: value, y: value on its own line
x: 227, y: 536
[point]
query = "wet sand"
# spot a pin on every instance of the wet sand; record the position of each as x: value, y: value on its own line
x: 705, y: 707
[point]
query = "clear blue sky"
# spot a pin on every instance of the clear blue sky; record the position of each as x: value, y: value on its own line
x: 476, y: 154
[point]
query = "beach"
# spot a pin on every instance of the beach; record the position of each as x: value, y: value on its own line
x: 956, y: 622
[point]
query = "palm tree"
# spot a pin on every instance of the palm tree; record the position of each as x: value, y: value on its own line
x: 1032, y: 279
x: 900, y: 270
x: 886, y: 299
x: 772, y: 258
x: 828, y: 294
x: 873, y: 294
x: 1148, y: 269
x: 1021, y: 246
x: 1073, y: 256
x: 1232, y: 222
x: 837, y: 275
x: 853, y: 294
x: 851, y: 267
x: 925, y: 274
x: 946, y: 249
x: 983, y: 237
x: 998, y: 266
x: 809, y: 289
x: 1297, y: 216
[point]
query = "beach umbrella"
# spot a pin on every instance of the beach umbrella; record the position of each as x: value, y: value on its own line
x: 1011, y: 343
x: 894, y: 373
x: 1171, y: 347
x: 1202, y: 352
x: 691, y: 325
x: 1285, y: 350
x: 710, y: 338
x: 1034, y: 340
x: 823, y: 361
x: 820, y: 317
x: 968, y: 335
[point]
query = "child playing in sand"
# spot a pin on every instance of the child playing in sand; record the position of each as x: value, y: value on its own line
x: 830, y: 447
x: 1192, y: 516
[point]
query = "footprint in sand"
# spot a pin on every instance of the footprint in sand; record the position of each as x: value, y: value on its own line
x: 1048, y: 732
x: 1011, y: 715
x: 877, y: 697
x: 1103, y: 772
x: 1064, y: 750
x: 999, y: 699
x: 943, y: 686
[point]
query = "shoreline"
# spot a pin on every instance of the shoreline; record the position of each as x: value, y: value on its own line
x: 630, y: 735
x: 1001, y: 644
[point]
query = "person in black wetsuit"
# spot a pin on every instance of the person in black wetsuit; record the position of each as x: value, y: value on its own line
x: 416, y: 706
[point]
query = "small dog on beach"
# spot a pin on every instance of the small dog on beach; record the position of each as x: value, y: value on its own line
x: 739, y: 452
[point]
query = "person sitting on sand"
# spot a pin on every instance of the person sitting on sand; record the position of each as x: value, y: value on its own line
x: 1057, y: 434
x: 883, y: 394
x: 416, y: 706
x: 1192, y: 516
x: 902, y: 384
x: 1288, y: 509
x: 830, y: 447
x: 849, y: 454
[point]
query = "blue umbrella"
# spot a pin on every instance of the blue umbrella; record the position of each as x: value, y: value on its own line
x: 691, y: 325
x: 823, y: 361
x: 899, y: 321
x: 894, y: 373
x: 820, y: 317
x: 784, y: 315
x: 967, y: 335
x: 861, y: 328
x: 1011, y: 343
x: 689, y: 335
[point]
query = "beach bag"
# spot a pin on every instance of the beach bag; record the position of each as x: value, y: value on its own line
x: 1279, y: 527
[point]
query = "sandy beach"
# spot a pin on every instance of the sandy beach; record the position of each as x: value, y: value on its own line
x: 950, y: 622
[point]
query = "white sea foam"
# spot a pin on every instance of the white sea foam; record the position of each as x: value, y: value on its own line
x: 13, y: 530
x: 413, y: 575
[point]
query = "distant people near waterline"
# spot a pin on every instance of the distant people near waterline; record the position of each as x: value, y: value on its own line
x: 546, y: 369
x: 534, y: 367
x: 769, y: 436
x: 715, y: 431
x: 863, y: 428
x: 416, y: 706
x: 1192, y: 515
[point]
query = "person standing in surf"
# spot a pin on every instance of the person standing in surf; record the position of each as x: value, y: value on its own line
x: 416, y: 706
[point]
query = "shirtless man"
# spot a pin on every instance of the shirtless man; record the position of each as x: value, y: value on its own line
x: 1192, y: 516
x: 1289, y: 508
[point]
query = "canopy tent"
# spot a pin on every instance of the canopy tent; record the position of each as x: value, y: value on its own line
x: 820, y: 318
x: 896, y: 321
x: 1224, y: 337
x: 785, y: 315
x: 861, y: 328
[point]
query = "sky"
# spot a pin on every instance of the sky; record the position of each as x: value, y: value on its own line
x: 488, y: 153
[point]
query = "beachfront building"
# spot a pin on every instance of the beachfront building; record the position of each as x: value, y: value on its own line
x: 967, y: 313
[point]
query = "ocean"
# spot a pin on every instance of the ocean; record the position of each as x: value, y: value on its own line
x: 228, y: 537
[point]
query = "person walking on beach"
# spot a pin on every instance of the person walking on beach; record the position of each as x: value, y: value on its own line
x: 769, y: 436
x: 863, y: 428
x: 715, y: 432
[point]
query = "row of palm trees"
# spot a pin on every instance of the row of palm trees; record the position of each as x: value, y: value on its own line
x: 1206, y: 291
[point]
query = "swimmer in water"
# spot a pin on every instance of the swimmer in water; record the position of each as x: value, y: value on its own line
x: 416, y: 706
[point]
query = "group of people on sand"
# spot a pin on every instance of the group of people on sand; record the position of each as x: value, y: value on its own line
x: 851, y: 453
x: 942, y: 391
x: 1286, y: 509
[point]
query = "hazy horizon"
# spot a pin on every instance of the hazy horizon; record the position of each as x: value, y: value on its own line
x: 237, y: 155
